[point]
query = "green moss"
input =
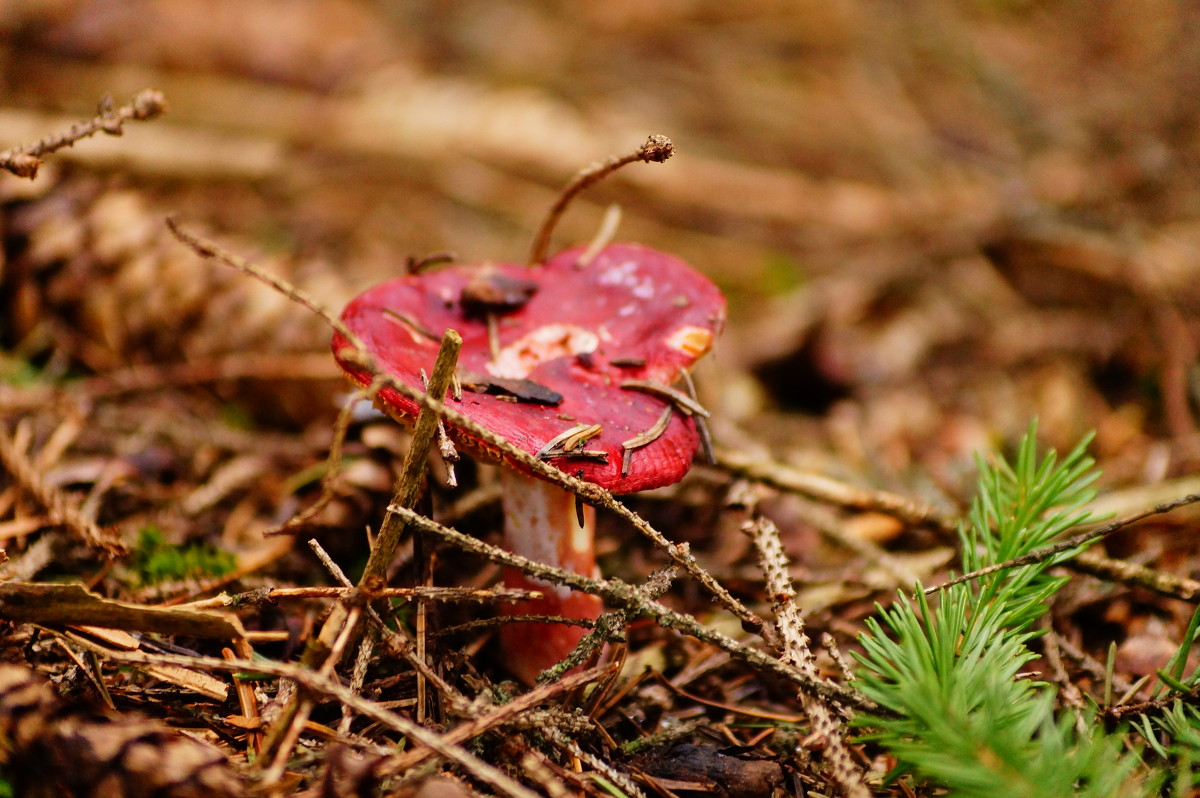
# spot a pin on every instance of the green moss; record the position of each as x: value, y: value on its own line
x: 18, y: 373
x: 155, y: 560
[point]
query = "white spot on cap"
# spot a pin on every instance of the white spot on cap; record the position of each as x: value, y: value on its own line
x: 626, y: 275
x: 539, y: 346
x: 622, y: 274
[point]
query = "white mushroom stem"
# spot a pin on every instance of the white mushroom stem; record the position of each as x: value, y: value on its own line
x: 540, y: 522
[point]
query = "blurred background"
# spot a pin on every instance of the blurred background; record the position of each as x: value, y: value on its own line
x: 933, y: 219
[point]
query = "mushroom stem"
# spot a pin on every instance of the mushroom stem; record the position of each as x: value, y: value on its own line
x: 540, y: 523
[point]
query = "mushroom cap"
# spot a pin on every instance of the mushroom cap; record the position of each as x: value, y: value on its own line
x: 631, y: 313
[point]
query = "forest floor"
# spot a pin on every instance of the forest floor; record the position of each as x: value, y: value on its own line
x: 933, y: 223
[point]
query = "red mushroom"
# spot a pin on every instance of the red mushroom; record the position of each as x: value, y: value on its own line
x: 569, y: 375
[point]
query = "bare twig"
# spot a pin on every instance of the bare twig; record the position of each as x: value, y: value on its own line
x: 408, y: 485
x: 23, y: 161
x: 501, y: 620
x: 830, y: 491
x: 1131, y: 573
x: 321, y: 685
x: 407, y: 490
x: 826, y: 729
x: 831, y: 647
x: 25, y: 475
x: 332, y: 567
x: 609, y: 626
x: 343, y: 618
x: 446, y: 446
x: 420, y: 593
x: 626, y: 595
x: 207, y: 249
x: 1049, y: 552
x: 656, y: 150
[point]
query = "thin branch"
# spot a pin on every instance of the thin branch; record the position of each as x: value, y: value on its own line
x: 408, y: 484
x: 207, y: 249
x: 332, y: 567
x: 501, y: 620
x: 1049, y: 552
x: 1131, y: 573
x: 322, y: 685
x: 24, y: 160
x: 343, y: 619
x: 427, y: 593
x: 830, y: 491
x: 60, y: 509
x: 796, y: 652
x: 626, y: 595
x: 656, y: 150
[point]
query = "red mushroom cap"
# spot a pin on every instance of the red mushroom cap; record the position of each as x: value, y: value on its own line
x: 630, y: 314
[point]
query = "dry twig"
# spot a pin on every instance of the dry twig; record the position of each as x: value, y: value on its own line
x: 830, y: 491
x: 626, y: 595
x: 1131, y: 573
x: 60, y: 509
x: 419, y: 593
x: 1048, y: 552
x: 657, y: 149
x: 826, y: 729
x: 23, y: 161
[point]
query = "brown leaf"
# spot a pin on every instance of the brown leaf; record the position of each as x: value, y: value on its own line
x: 60, y: 749
x: 721, y: 771
x: 522, y: 390
x: 489, y: 291
x: 74, y: 605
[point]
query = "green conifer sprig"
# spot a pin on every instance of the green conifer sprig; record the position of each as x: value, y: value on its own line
x: 950, y: 666
x: 1172, y: 735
